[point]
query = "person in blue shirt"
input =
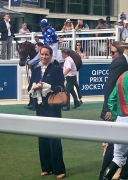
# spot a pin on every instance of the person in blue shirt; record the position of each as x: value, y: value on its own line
x: 50, y: 37
x: 33, y: 63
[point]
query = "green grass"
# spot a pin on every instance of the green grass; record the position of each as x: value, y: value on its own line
x: 19, y: 154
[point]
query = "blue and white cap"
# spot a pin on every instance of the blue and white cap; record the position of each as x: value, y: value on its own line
x: 44, y: 22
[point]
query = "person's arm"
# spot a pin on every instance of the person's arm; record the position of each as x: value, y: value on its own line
x: 68, y: 65
x: 67, y: 71
x: 114, y: 73
x: 86, y: 27
x: 103, y: 27
x: 35, y: 60
x: 112, y: 102
x: 51, y: 33
x: 63, y: 29
x: 21, y: 31
x: 97, y: 27
x: 27, y: 31
x: 12, y: 30
x: 72, y: 26
x: 77, y: 27
x: 3, y: 30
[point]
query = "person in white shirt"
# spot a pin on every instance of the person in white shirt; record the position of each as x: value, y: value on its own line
x: 24, y: 30
x: 124, y: 31
x: 7, y: 34
x: 36, y: 40
x: 70, y: 72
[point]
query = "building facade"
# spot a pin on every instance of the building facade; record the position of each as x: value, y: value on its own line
x: 59, y: 10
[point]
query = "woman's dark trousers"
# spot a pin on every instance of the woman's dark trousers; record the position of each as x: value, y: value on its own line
x: 51, y: 157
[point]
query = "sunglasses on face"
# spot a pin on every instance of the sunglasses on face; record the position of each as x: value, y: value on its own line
x: 78, y: 45
x: 113, y: 52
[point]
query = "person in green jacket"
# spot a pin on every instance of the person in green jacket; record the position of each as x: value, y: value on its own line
x: 118, y: 105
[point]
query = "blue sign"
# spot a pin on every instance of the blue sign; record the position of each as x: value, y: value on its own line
x: 15, y: 2
x: 8, y: 82
x: 36, y: 2
x: 92, y: 78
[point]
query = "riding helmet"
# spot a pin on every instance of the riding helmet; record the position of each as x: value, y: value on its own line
x: 44, y: 22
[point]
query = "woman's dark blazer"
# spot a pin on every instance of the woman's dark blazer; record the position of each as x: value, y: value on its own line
x: 53, y: 75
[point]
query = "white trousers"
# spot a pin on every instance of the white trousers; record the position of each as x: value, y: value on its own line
x: 120, y: 149
x: 54, y: 47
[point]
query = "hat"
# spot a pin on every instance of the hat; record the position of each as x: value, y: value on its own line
x: 36, y: 35
x: 44, y: 22
x: 68, y: 20
x: 125, y: 21
x: 119, y: 20
x: 126, y: 43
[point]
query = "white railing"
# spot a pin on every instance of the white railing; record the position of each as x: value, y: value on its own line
x: 94, y: 47
x: 64, y: 128
x: 94, y: 44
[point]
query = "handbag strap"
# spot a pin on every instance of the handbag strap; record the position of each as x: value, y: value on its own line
x: 61, y: 89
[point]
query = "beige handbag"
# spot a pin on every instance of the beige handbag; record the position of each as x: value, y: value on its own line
x: 58, y: 99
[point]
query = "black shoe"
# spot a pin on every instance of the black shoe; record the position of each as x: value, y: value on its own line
x: 110, y: 171
x: 81, y: 102
x: 28, y: 107
x: 74, y: 107
x: 76, y: 104
x: 66, y: 109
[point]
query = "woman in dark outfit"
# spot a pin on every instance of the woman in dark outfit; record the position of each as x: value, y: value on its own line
x: 49, y: 78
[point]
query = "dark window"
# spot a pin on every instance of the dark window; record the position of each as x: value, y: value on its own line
x: 101, y: 7
x: 50, y: 6
x: 98, y: 2
x: 33, y: 22
x: 78, y: 6
x: 55, y: 5
x: 97, y: 10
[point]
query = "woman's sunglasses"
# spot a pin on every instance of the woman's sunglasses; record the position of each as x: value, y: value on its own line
x: 78, y: 45
x: 113, y: 52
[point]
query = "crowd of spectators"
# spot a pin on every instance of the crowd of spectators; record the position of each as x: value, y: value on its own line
x: 86, y: 44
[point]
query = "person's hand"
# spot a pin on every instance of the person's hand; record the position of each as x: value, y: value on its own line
x: 25, y: 31
x: 108, y: 116
x: 38, y: 86
x: 78, y: 22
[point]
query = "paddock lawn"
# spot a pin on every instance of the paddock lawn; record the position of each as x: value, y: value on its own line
x: 19, y: 154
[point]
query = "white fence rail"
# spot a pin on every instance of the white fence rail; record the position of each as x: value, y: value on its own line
x: 93, y: 46
x: 64, y: 128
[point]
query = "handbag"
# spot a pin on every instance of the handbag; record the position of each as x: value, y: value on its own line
x: 58, y: 99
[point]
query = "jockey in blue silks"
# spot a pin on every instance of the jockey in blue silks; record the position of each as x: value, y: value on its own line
x: 50, y: 37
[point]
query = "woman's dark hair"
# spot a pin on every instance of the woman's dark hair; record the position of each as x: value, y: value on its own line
x: 118, y: 46
x: 81, y: 49
x: 47, y: 47
x: 101, y: 21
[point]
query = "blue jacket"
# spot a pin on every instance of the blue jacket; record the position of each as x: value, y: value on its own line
x: 49, y: 36
x: 53, y: 76
x: 35, y: 61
